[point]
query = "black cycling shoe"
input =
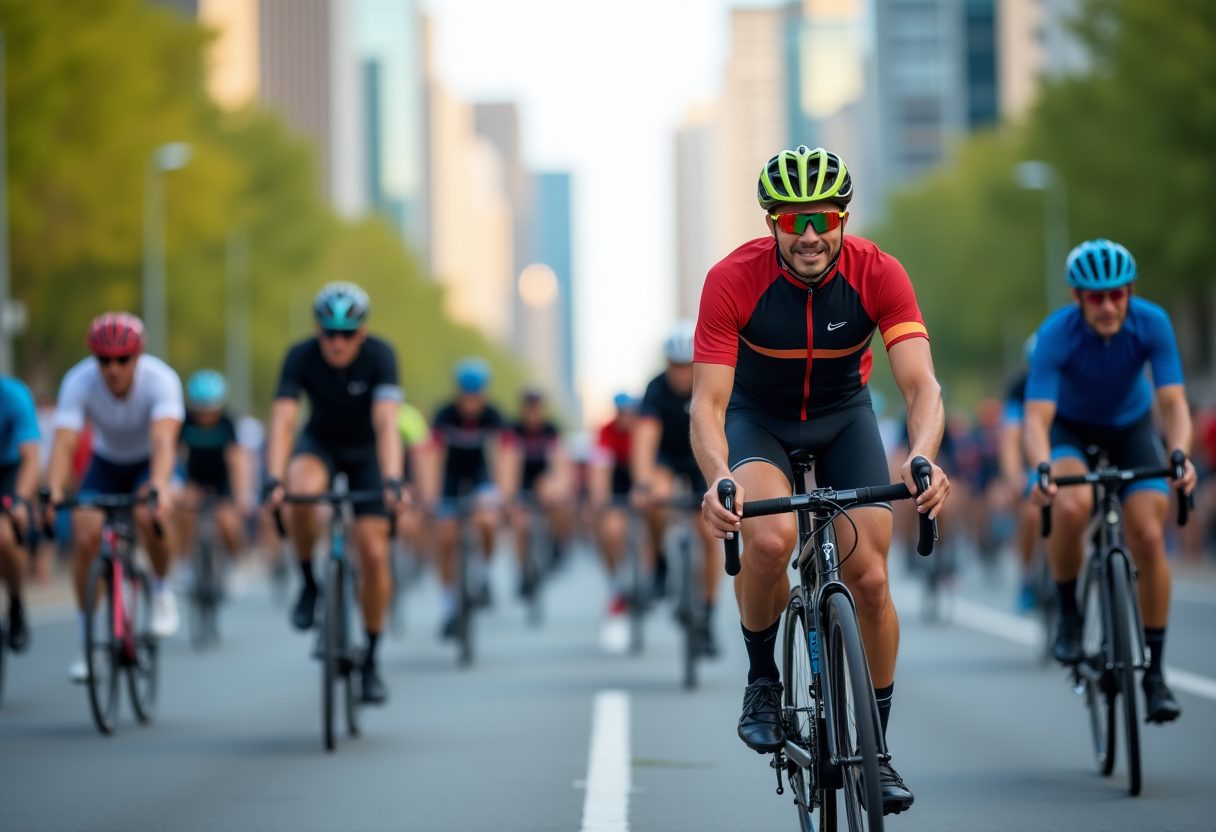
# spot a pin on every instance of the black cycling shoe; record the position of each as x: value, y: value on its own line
x: 1067, y: 647
x: 708, y: 646
x: 760, y: 725
x: 18, y: 633
x: 373, y: 688
x: 896, y: 796
x: 306, y: 608
x: 1161, y: 706
x: 450, y: 628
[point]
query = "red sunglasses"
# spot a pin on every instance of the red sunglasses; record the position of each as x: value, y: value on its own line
x: 821, y: 221
x: 1096, y: 298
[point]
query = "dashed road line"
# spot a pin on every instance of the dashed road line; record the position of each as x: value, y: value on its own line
x: 606, y: 805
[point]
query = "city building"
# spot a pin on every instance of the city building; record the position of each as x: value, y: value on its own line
x: 552, y: 247
x: 698, y: 243
x: 232, y: 64
x: 1035, y: 41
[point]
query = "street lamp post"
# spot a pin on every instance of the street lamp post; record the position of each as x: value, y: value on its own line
x: 238, y: 351
x: 167, y: 157
x: 1041, y: 176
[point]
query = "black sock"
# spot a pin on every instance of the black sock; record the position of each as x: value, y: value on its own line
x: 1154, y: 640
x: 373, y: 639
x: 883, y: 697
x: 1068, y: 597
x: 306, y: 573
x: 709, y: 611
x: 14, y: 603
x: 761, y: 647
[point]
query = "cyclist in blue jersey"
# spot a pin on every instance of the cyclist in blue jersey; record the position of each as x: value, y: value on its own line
x: 1087, y: 386
x: 18, y: 486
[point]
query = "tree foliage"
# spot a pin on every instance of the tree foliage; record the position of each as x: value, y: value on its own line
x: 1134, y: 142
x: 93, y: 88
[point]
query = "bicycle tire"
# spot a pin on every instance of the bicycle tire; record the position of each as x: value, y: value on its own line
x: 100, y: 655
x: 1125, y: 668
x: 690, y: 616
x: 464, y: 626
x: 330, y: 640
x: 637, y: 591
x: 537, y: 542
x: 852, y: 712
x: 3, y: 647
x: 396, y: 604
x: 200, y: 637
x: 1098, y: 684
x: 143, y: 666
x: 350, y: 668
x: 801, y: 715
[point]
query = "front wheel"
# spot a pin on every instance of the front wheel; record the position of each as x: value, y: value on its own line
x: 800, y: 657
x: 331, y: 649
x: 100, y: 649
x: 1122, y: 621
x: 853, y: 715
x: 142, y: 659
x: 1096, y: 679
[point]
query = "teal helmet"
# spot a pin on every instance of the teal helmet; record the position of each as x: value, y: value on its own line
x: 472, y: 374
x: 207, y: 390
x: 341, y: 305
x: 1100, y: 265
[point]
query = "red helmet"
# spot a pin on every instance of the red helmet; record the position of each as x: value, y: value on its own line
x: 116, y: 334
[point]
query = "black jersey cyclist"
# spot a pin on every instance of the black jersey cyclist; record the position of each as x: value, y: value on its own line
x: 214, y: 463
x: 1087, y: 386
x: 782, y: 360
x: 540, y: 474
x: 661, y: 454
x: 468, y: 439
x: 350, y: 378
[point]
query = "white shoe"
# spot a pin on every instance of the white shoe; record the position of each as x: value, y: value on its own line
x: 78, y: 670
x: 165, y: 619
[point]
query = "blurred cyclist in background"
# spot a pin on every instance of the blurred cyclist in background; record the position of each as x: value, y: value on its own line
x: 1019, y: 482
x: 19, y: 463
x: 134, y: 403
x: 350, y: 378
x: 415, y: 445
x: 540, y: 479
x: 610, y: 486
x: 1087, y: 386
x: 468, y: 437
x: 661, y: 454
x: 215, y: 465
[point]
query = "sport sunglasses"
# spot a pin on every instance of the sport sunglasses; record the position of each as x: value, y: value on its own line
x: 1096, y: 298
x: 821, y: 221
x: 105, y: 360
x: 339, y: 333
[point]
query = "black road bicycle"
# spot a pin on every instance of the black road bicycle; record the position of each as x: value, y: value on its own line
x: 833, y: 736
x: 206, y: 594
x: 537, y: 559
x: 118, y: 635
x: 685, y: 544
x: 1112, y: 635
x: 341, y: 660
x: 7, y: 505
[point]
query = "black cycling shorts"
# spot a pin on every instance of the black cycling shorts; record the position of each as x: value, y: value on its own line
x: 687, y: 469
x: 622, y: 481
x: 360, y: 465
x: 847, y: 447
x: 1136, y: 446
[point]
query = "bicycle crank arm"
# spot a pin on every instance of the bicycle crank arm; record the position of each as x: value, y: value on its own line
x: 799, y: 755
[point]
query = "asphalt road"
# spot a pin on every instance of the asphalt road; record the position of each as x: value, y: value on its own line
x: 549, y: 732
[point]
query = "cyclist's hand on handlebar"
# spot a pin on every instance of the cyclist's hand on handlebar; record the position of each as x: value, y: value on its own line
x: 720, y: 520
x: 272, y: 493
x: 396, y: 497
x: 934, y: 497
x: 1040, y: 498
x: 1189, y: 479
x: 639, y: 496
x: 164, y: 503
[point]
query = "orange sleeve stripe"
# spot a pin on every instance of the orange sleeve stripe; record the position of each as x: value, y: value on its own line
x: 900, y: 331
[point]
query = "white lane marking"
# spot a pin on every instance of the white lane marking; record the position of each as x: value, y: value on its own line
x: 614, y: 635
x: 1029, y: 633
x: 606, y: 805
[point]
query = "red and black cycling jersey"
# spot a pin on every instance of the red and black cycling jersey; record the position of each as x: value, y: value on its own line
x: 798, y: 351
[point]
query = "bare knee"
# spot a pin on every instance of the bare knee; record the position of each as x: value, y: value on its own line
x: 1070, y: 514
x: 870, y: 590
x: 768, y: 550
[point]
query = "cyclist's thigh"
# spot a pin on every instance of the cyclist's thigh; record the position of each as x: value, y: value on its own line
x: 755, y: 437
x: 363, y: 473
x: 663, y: 483
x: 1140, y: 447
x: 86, y: 529
x: 772, y: 537
x: 1068, y: 444
x: 371, y: 538
x: 309, y: 470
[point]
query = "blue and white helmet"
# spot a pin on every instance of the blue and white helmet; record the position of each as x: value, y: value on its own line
x: 679, y: 344
x: 1100, y: 265
x: 207, y: 390
x: 341, y: 305
x: 472, y: 374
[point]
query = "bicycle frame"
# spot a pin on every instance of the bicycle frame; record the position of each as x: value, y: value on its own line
x: 819, y: 574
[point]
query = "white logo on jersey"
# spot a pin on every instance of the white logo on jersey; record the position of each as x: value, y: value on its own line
x: 355, y: 388
x: 834, y: 327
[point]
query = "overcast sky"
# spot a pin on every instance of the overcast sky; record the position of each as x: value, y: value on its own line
x: 602, y: 86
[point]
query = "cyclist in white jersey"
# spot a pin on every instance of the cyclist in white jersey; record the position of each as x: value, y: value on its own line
x: 134, y: 404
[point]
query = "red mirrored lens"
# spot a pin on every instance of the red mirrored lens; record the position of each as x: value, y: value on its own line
x: 821, y: 221
x: 1098, y: 298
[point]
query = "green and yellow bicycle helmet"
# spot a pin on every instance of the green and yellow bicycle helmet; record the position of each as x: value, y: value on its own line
x: 804, y: 175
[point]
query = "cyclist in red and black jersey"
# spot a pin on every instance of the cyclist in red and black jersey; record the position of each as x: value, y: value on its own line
x: 782, y: 360
x: 611, y: 482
